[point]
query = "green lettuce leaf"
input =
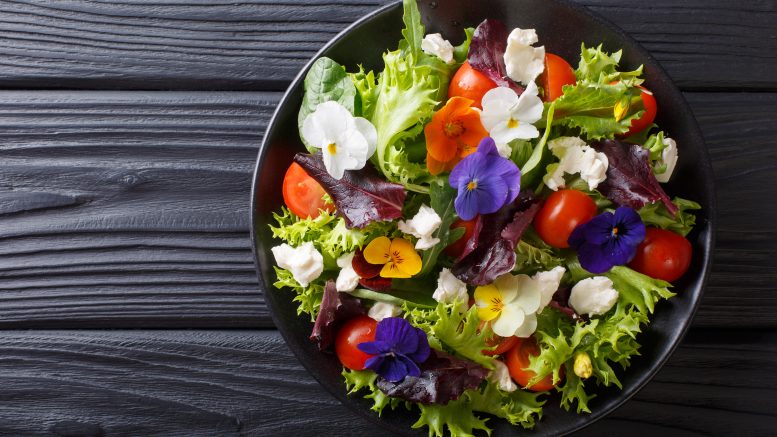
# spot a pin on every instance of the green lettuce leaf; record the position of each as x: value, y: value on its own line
x: 519, y: 407
x: 358, y: 380
x: 456, y: 416
x: 326, y: 80
x: 367, y: 92
x: 590, y: 109
x: 599, y: 67
x: 309, y: 298
x: 458, y: 329
x: 656, y: 214
x: 442, y: 198
x: 534, y: 255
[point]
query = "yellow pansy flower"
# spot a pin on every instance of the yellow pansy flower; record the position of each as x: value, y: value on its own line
x: 510, y: 304
x: 399, y: 258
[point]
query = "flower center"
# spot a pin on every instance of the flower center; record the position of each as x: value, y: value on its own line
x: 496, y: 305
x: 472, y: 185
x: 615, y: 231
x: 332, y: 148
x: 396, y: 257
x: 512, y: 123
x: 453, y: 129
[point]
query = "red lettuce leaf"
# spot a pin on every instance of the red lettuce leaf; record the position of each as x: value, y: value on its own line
x: 376, y: 284
x: 560, y: 302
x: 364, y: 269
x: 361, y: 196
x: 630, y: 179
x: 472, y: 242
x: 336, y: 309
x: 486, y: 53
x: 443, y: 379
x: 494, y: 254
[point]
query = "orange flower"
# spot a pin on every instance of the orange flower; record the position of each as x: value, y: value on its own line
x: 453, y: 133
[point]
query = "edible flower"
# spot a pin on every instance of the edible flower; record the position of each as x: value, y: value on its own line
x: 346, y: 142
x: 507, y: 117
x: 397, y: 256
x: 582, y: 366
x: 453, y: 133
x: 485, y: 181
x: 608, y: 239
x: 524, y: 62
x: 398, y: 349
x: 510, y: 304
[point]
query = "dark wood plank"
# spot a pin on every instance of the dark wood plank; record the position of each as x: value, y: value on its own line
x: 248, y: 383
x: 130, y: 209
x: 261, y: 44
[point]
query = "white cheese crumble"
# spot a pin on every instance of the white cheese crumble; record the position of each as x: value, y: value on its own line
x: 435, y: 45
x: 524, y: 62
x: 422, y: 226
x: 548, y: 283
x: 347, y: 279
x: 593, y: 296
x: 449, y: 288
x: 501, y: 377
x: 381, y: 310
x: 304, y: 262
x: 668, y: 158
x: 575, y: 157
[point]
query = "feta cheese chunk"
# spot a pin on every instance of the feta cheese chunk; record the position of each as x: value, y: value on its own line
x: 304, y: 262
x: 669, y: 159
x: 524, y: 62
x: 575, y: 157
x: 435, y: 45
x: 381, y: 310
x: 501, y: 377
x: 449, y: 288
x: 548, y: 283
x: 347, y: 279
x: 593, y: 296
x: 422, y: 226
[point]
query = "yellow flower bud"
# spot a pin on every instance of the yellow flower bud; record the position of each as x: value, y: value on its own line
x: 622, y: 108
x: 583, y: 367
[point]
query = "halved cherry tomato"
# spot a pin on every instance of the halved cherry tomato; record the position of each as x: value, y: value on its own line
x: 562, y: 212
x: 662, y: 255
x: 557, y: 73
x: 503, y: 344
x: 517, y: 360
x: 351, y: 334
x: 457, y: 248
x: 470, y: 83
x: 302, y: 194
x: 651, y: 109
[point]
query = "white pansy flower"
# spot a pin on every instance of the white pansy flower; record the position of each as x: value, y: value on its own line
x: 434, y: 44
x: 575, y: 157
x: 547, y: 283
x: 510, y: 304
x: 422, y: 226
x: 501, y: 377
x: 381, y: 310
x: 304, y: 262
x: 524, y: 62
x: 449, y: 288
x: 593, y: 296
x: 507, y: 117
x: 347, y: 279
x: 346, y: 142
x: 669, y: 159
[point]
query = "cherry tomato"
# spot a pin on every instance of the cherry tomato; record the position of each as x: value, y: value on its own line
x: 651, y: 109
x: 351, y: 334
x: 561, y: 214
x: 457, y: 248
x: 662, y: 255
x: 470, y: 83
x: 557, y: 73
x: 517, y: 359
x: 503, y: 344
x: 302, y: 194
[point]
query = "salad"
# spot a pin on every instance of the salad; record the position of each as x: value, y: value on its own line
x: 477, y: 230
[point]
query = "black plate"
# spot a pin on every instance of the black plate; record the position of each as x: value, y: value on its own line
x: 561, y: 27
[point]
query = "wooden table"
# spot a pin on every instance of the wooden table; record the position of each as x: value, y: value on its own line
x: 129, y: 303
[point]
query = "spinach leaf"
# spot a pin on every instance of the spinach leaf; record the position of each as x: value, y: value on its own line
x: 326, y: 80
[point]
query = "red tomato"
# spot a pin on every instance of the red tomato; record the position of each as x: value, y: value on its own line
x: 561, y: 214
x: 662, y: 255
x: 651, y: 109
x: 302, y: 194
x: 517, y: 359
x: 503, y: 344
x: 457, y: 248
x: 353, y: 332
x: 470, y: 83
x: 557, y: 73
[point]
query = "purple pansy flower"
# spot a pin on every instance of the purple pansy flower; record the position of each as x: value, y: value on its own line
x: 485, y: 181
x: 608, y: 239
x: 398, y: 348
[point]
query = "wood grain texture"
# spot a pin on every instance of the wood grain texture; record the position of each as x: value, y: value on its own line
x: 130, y: 209
x: 262, y: 44
x: 166, y: 383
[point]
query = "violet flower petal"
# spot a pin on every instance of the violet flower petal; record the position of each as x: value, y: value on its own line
x: 374, y: 347
x: 422, y: 352
x: 593, y: 258
x: 631, y: 223
x: 466, y: 205
x: 392, y: 369
x: 410, y: 365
